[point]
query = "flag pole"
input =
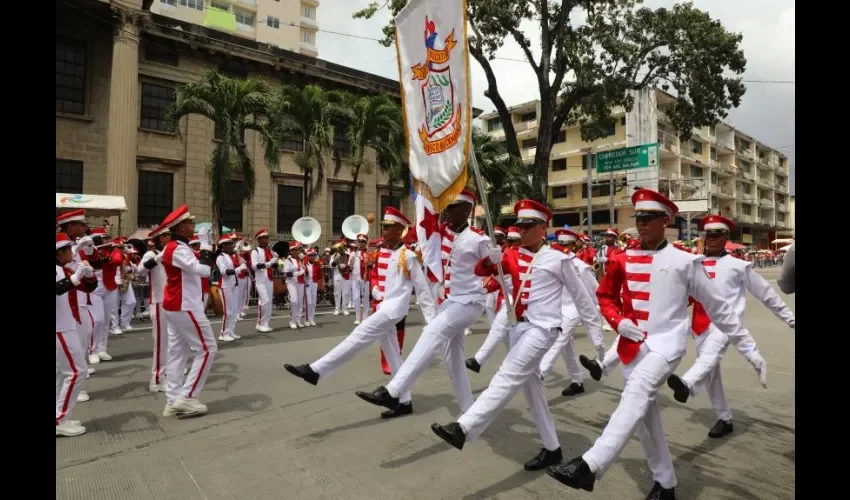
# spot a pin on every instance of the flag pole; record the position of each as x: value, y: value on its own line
x: 512, y: 319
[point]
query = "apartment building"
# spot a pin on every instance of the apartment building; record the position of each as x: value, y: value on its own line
x: 719, y: 170
x: 286, y: 24
x: 111, y: 97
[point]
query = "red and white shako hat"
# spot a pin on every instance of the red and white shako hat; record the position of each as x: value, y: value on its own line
x: 649, y: 203
x: 362, y: 237
x: 612, y: 232
x: 513, y: 233
x: 74, y: 216
x: 393, y: 215
x: 293, y: 245
x: 716, y: 223
x: 262, y: 233
x: 312, y: 253
x: 99, y: 232
x: 158, y: 231
x: 225, y: 238
x: 195, y: 240
x: 465, y: 196
x: 566, y: 237
x: 377, y: 242
x: 177, y: 216
x: 62, y: 241
x: 498, y: 230
x: 531, y: 212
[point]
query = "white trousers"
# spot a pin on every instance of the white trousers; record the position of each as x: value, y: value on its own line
x: 230, y: 307
x: 265, y: 292
x: 188, y: 331
x: 377, y: 327
x: 498, y: 331
x: 490, y: 308
x: 159, y: 335
x: 70, y: 372
x: 242, y: 286
x: 443, y: 334
x: 342, y: 294
x: 705, y: 373
x: 127, y: 305
x: 85, y: 330
x: 296, y: 301
x: 312, y: 291
x: 360, y: 297
x: 99, y: 330
x: 638, y: 412
x: 520, y: 369
x: 110, y: 310
x: 565, y: 346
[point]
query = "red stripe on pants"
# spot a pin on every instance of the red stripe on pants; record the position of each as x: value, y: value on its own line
x: 158, y: 344
x: 74, y: 376
x: 206, y: 353
x: 224, y: 309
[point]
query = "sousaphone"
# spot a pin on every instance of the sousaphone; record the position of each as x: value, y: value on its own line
x: 306, y: 230
x: 354, y: 225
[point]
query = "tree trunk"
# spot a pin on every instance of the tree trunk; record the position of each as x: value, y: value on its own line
x: 540, y: 173
x: 492, y: 93
x: 354, y: 178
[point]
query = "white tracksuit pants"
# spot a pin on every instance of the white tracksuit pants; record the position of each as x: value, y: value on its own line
x: 443, y: 334
x: 520, y: 369
x: 490, y: 308
x: 377, y: 327
x: 188, y: 331
x: 85, y: 330
x: 70, y: 373
x: 565, y: 346
x: 99, y: 331
x: 127, y: 306
x: 159, y: 335
x: 110, y: 309
x: 705, y: 373
x: 312, y: 291
x: 296, y: 301
x: 230, y: 305
x: 342, y: 294
x: 498, y: 331
x: 265, y: 291
x: 360, y: 297
x: 638, y: 412
x: 241, y: 293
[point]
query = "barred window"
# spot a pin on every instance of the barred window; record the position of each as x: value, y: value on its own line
x: 289, y: 206
x: 69, y: 176
x: 155, y: 102
x: 70, y: 77
x: 342, y: 201
x: 293, y: 141
x: 232, y: 214
x: 156, y: 197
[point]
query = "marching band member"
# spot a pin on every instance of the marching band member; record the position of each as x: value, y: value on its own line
x: 151, y: 267
x: 542, y: 279
x: 565, y: 344
x: 359, y: 279
x: 341, y: 275
x: 107, y: 293
x: 734, y: 277
x: 127, y: 296
x: 652, y: 323
x: 262, y: 261
x: 71, y: 365
x: 229, y: 268
x: 609, y: 247
x: 293, y: 271
x: 243, y: 280
x: 490, y: 307
x: 463, y: 305
x: 195, y: 245
x: 73, y: 224
x: 399, y: 272
x: 315, y: 279
x: 188, y: 326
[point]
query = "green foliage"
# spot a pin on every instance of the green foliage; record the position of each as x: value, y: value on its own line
x: 505, y: 175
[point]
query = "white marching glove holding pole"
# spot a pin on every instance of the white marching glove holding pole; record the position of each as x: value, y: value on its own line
x: 495, y: 255
x: 630, y: 331
x: 377, y: 294
x: 204, y: 239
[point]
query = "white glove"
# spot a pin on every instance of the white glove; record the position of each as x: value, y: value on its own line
x: 792, y: 323
x: 158, y: 257
x: 629, y: 330
x: 275, y: 256
x: 78, y: 275
x: 602, y: 259
x: 495, y: 255
x: 377, y: 294
x: 600, y: 352
x: 204, y: 237
x: 88, y: 271
x: 86, y: 244
x: 760, y: 365
x: 241, y: 269
x: 298, y: 273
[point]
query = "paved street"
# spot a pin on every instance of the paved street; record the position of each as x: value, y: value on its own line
x: 269, y: 435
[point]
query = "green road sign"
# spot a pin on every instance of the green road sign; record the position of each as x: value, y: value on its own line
x: 645, y: 155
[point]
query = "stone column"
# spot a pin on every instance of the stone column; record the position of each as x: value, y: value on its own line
x: 121, y: 136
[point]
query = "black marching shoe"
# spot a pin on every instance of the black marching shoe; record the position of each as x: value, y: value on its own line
x: 659, y: 493
x: 720, y: 429
x: 575, y: 474
x: 379, y: 397
x: 591, y: 366
x: 544, y: 459
x: 573, y: 389
x: 451, y: 433
x: 303, y: 371
x: 473, y: 365
x: 681, y: 393
x: 402, y: 410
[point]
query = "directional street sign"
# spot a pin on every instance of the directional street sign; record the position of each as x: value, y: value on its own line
x: 645, y: 155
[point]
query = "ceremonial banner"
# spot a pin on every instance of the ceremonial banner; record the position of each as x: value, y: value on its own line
x: 433, y: 67
x: 430, y: 239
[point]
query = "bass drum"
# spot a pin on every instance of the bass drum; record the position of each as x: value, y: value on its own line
x: 215, y: 298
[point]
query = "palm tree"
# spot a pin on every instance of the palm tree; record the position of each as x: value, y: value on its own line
x: 308, y: 113
x: 234, y: 105
x: 504, y: 175
x: 374, y: 123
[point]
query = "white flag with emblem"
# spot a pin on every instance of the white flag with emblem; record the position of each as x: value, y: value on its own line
x: 429, y: 237
x: 433, y: 62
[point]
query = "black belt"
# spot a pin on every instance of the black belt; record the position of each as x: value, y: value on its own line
x: 523, y: 319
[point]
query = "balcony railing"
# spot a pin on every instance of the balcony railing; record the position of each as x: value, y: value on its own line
x: 306, y: 22
x: 745, y: 218
x: 782, y: 206
x: 746, y: 196
x: 766, y: 202
x: 767, y: 221
x: 523, y: 126
x: 668, y: 141
x: 782, y: 187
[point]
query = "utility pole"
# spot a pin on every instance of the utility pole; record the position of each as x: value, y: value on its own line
x: 612, y: 189
x: 588, y: 159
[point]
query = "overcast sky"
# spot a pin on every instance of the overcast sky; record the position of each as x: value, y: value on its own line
x: 767, y: 110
